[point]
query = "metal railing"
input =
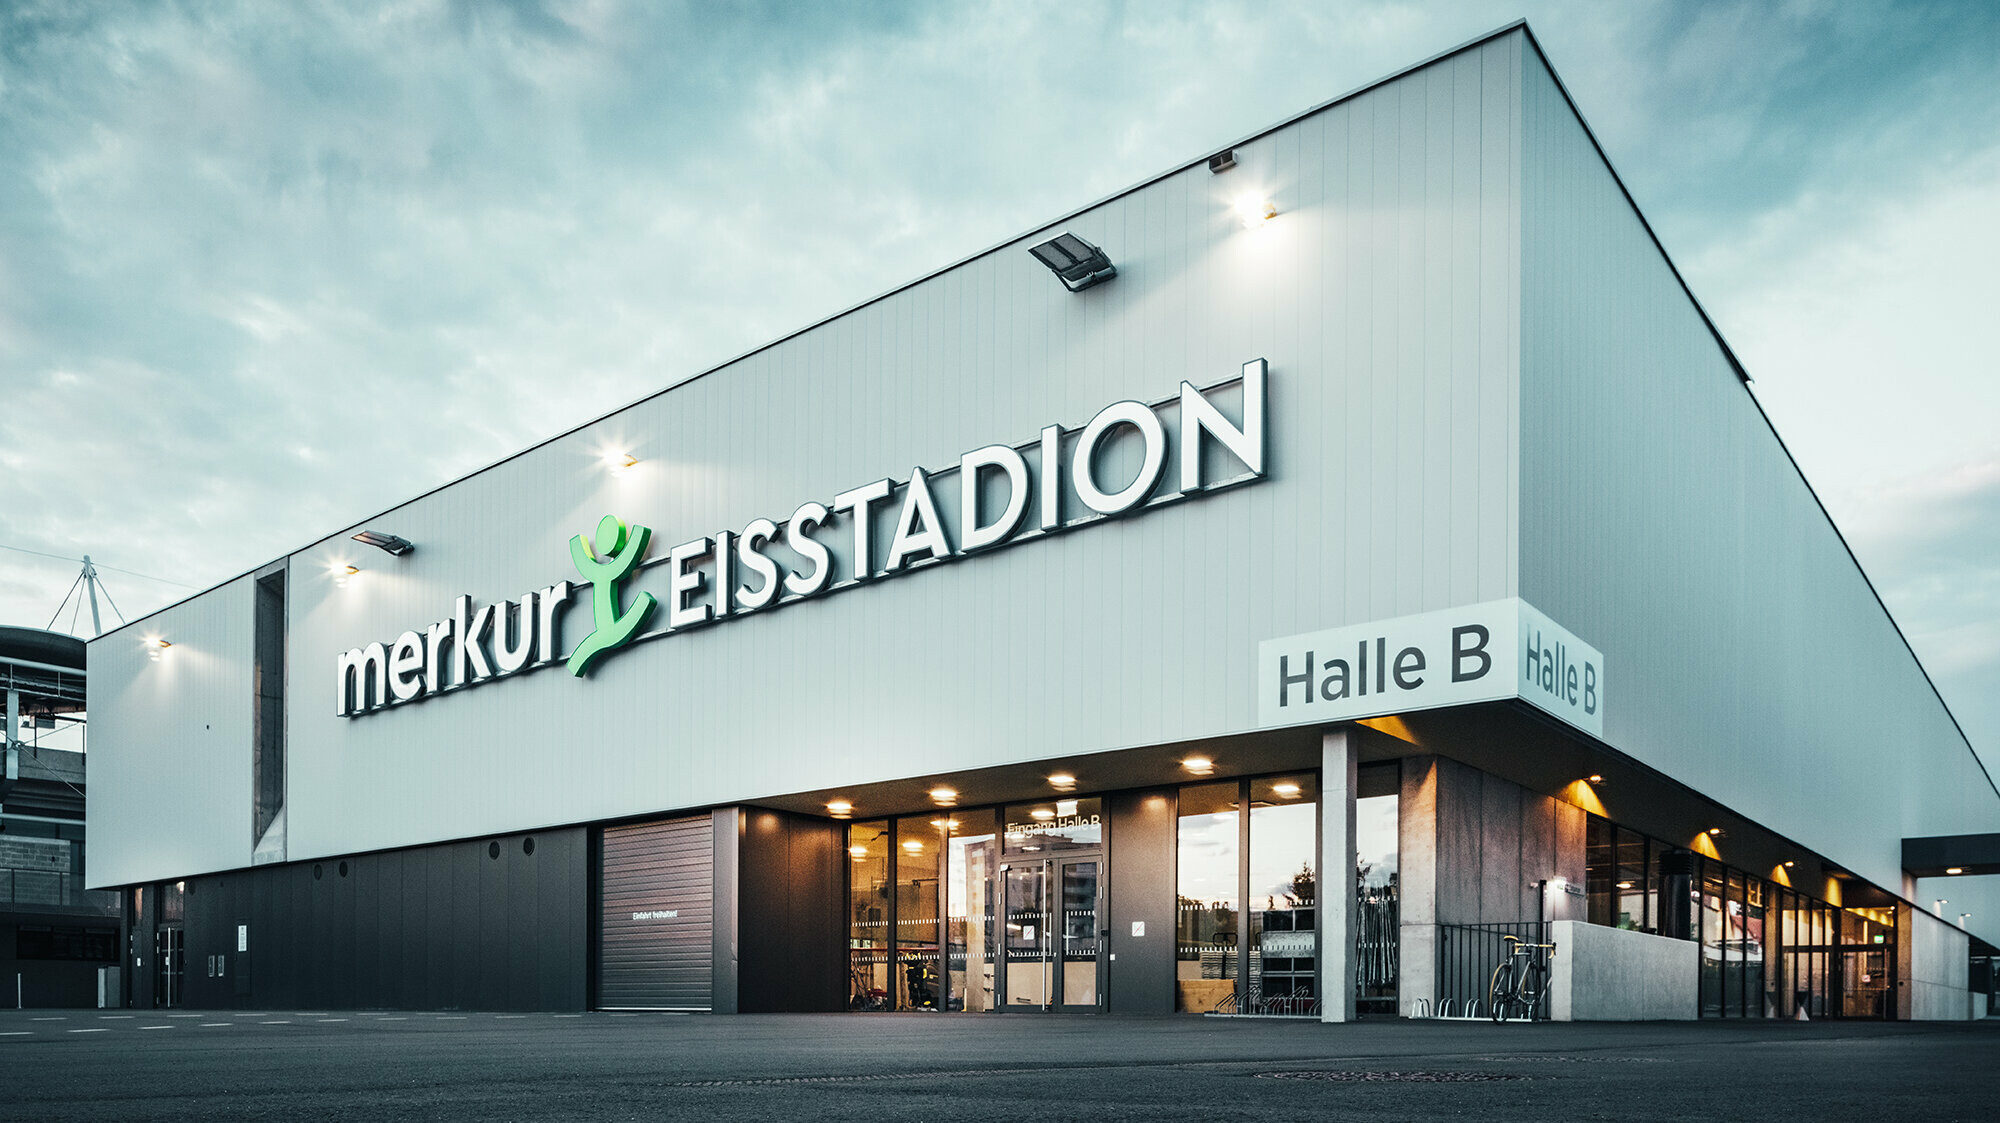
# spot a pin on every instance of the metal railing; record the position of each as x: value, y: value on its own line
x: 47, y: 887
x: 1466, y: 957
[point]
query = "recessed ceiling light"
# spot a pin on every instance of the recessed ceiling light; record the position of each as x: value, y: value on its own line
x: 1063, y: 780
x: 1042, y: 813
x: 1286, y: 789
x: 945, y: 824
x: 1594, y: 778
x: 1199, y: 765
x: 944, y: 795
x: 1716, y: 831
x: 1955, y: 870
x: 858, y: 851
x: 840, y: 807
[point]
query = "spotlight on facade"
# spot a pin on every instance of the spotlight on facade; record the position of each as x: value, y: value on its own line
x: 1076, y: 262
x: 1198, y: 765
x: 388, y: 543
x: 1062, y: 781
x: 342, y: 574
x: 839, y: 807
x: 944, y: 797
x: 1254, y: 210
x: 156, y: 647
x: 1286, y: 789
x: 617, y: 461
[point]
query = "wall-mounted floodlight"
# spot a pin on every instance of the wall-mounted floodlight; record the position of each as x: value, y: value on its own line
x: 1222, y: 161
x: 342, y: 574
x: 156, y: 647
x: 1254, y: 210
x: 1078, y: 263
x: 389, y: 543
x: 617, y: 461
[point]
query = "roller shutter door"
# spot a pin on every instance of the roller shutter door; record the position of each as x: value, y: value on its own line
x: 656, y: 950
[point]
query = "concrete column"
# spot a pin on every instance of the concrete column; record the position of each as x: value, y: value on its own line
x: 1339, y: 775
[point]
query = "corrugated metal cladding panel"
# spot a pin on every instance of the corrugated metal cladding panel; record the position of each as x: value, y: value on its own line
x: 1663, y: 523
x: 1384, y: 298
x: 657, y: 949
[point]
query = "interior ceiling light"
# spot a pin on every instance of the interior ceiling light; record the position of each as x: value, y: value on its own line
x: 1042, y: 813
x: 388, y: 543
x: 1199, y: 765
x: 840, y: 807
x: 1624, y: 885
x: 1254, y: 210
x: 858, y: 851
x: 1286, y: 788
x: 1076, y: 262
x: 945, y: 824
x: 944, y: 795
x: 913, y: 846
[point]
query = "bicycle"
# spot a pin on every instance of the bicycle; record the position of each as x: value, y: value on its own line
x: 1521, y: 981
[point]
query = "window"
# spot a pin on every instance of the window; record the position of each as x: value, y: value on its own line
x: 869, y: 900
x: 99, y: 945
x: 1208, y: 893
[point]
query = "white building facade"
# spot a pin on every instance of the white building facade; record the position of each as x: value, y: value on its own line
x: 996, y: 646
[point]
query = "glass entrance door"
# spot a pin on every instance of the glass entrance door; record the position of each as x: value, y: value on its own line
x: 1864, y: 983
x: 1053, y: 945
x: 167, y: 961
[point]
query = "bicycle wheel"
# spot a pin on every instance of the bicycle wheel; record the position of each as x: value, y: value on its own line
x: 1535, y: 992
x: 1501, y: 992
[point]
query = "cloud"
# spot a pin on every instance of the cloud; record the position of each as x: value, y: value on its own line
x: 268, y: 269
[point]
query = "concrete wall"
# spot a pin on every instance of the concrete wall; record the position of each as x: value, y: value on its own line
x: 1603, y: 974
x: 1933, y: 958
x: 1473, y: 847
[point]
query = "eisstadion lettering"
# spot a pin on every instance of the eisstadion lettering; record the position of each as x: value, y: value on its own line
x: 1479, y: 653
x: 1115, y: 464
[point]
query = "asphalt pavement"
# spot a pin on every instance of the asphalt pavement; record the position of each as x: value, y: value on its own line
x: 80, y: 1065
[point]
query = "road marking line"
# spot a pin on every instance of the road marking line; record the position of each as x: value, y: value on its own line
x: 99, y: 1029
x: 330, y: 1021
x: 115, y: 1017
x: 17, y: 1033
x: 569, y: 1015
x: 48, y: 1019
x: 211, y: 1025
x: 184, y: 1015
x: 395, y: 1019
x: 451, y: 1017
x: 158, y: 1027
x: 504, y: 1017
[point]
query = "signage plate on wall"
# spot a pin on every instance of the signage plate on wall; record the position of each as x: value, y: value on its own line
x: 1480, y: 653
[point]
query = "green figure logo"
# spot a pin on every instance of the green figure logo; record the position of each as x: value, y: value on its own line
x: 613, y: 559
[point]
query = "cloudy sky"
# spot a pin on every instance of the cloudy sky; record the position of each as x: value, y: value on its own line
x: 266, y: 269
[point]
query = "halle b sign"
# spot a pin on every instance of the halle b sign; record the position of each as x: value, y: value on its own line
x: 1481, y: 653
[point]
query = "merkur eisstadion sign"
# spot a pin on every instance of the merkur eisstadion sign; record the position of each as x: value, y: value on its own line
x: 1451, y: 657
x: 766, y: 563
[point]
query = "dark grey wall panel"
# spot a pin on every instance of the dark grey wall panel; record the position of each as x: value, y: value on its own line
x: 791, y: 937
x: 441, y: 927
x: 656, y: 922
x: 1142, y: 889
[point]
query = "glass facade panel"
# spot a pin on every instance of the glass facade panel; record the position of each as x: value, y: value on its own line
x: 1633, y: 886
x: 1600, y: 867
x: 1378, y: 885
x: 1078, y: 958
x: 1027, y: 934
x: 919, y: 844
x: 1208, y: 891
x: 1284, y: 936
x: 1054, y: 826
x: 868, y: 902
x: 1709, y: 920
x: 971, y: 863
